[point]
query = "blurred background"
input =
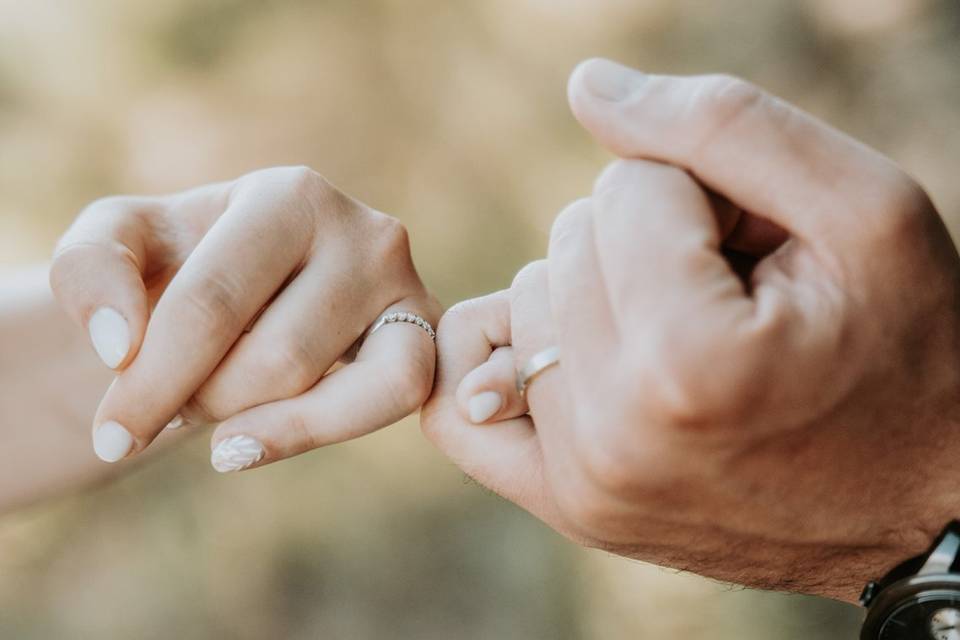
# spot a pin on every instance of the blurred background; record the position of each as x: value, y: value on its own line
x: 451, y: 116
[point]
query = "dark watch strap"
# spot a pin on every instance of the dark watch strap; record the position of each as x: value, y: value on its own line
x: 914, y: 565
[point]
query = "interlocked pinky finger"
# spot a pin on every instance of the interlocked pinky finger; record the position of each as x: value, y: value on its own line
x: 390, y: 378
x: 489, y: 392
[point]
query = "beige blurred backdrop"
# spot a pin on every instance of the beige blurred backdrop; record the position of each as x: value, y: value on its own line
x: 451, y: 116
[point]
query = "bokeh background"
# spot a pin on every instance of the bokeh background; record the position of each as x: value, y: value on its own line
x: 451, y: 116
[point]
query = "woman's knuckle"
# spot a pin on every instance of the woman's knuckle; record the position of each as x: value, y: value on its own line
x: 297, y: 423
x: 292, y: 365
x: 298, y: 189
x: 407, y: 389
x: 107, y: 206
x: 391, y: 238
x: 213, y: 304
x: 202, y: 408
x: 294, y: 177
x: 419, y: 381
x: 306, y: 183
x: 66, y: 267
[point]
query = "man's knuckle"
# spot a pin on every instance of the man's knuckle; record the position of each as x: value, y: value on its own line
x: 723, y: 99
x: 458, y: 319
x: 606, y: 462
x: 584, y: 505
x: 529, y: 275
x: 907, y: 207
x: 566, y: 226
x: 686, y: 397
x: 678, y: 403
x: 674, y: 394
x: 432, y: 422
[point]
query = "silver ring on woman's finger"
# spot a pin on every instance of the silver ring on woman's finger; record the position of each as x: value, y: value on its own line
x: 535, y: 366
x: 404, y: 316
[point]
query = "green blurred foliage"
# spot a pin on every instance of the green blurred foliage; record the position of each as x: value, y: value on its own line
x: 450, y: 115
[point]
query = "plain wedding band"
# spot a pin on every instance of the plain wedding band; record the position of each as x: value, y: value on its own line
x: 535, y: 366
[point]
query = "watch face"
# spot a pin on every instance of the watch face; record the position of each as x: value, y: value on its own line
x: 930, y: 616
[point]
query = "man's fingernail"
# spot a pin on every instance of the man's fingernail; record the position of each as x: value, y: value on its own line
x: 236, y: 454
x: 611, y: 81
x: 176, y: 423
x: 110, y: 335
x: 483, y: 405
x: 111, y: 442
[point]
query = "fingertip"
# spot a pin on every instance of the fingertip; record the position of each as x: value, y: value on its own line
x: 577, y: 82
x: 599, y: 83
x: 489, y: 393
x: 478, y: 398
x: 101, y: 289
x: 112, y: 441
x: 110, y: 335
x: 236, y: 453
x: 483, y: 406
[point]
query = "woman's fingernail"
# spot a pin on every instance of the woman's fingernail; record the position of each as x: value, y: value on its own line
x: 483, y: 405
x: 176, y: 423
x: 236, y: 454
x: 111, y: 442
x: 110, y: 335
x: 611, y: 81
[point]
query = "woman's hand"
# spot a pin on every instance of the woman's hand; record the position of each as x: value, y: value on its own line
x: 764, y: 392
x: 232, y: 302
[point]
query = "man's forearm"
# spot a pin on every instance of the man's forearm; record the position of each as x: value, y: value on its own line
x: 50, y: 383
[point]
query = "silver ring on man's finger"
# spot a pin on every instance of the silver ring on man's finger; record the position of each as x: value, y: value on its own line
x: 535, y: 366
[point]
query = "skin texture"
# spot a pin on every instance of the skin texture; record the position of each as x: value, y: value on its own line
x: 50, y: 382
x: 758, y: 320
x: 243, y: 300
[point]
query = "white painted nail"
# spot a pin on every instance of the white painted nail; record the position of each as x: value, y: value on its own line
x: 176, y: 423
x: 111, y: 442
x: 483, y: 405
x: 110, y: 335
x: 236, y: 454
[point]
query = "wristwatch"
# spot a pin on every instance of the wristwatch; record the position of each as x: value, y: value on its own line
x: 920, y: 598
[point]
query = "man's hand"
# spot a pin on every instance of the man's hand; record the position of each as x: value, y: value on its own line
x: 759, y: 322
x: 232, y: 302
